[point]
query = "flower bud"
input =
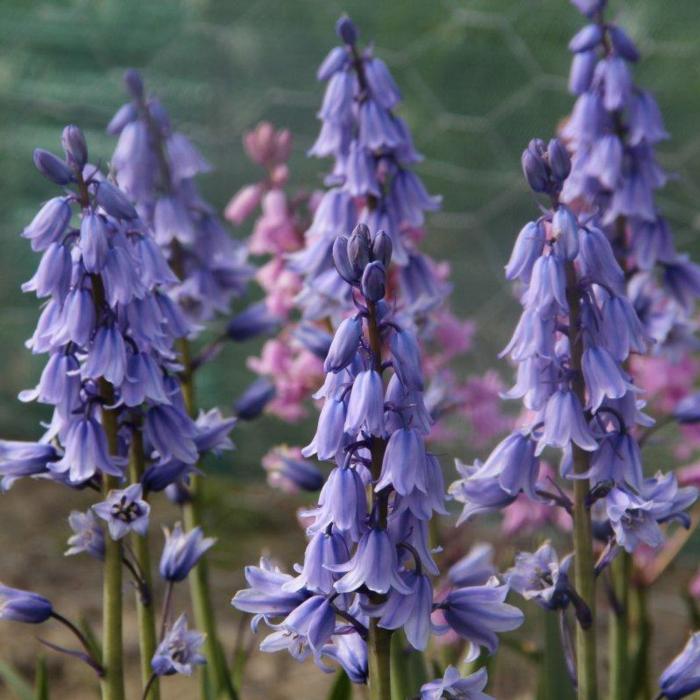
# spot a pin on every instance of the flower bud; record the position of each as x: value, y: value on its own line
x: 52, y: 167
x: 254, y: 321
x: 346, y: 30
x: 559, y: 161
x: 134, y: 84
x: 23, y: 606
x: 313, y: 339
x: 342, y: 262
x: 374, y: 282
x: 344, y: 346
x: 253, y: 400
x: 535, y: 170
x: 74, y: 145
x: 358, y: 248
x: 382, y: 248
x: 114, y: 201
x: 565, y: 230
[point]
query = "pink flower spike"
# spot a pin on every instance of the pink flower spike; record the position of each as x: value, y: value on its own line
x: 243, y: 204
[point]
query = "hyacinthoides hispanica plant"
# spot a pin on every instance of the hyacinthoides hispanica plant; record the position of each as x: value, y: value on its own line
x: 612, y: 133
x: 367, y: 568
x: 156, y: 166
x: 576, y: 332
x: 372, y: 181
x: 112, y: 377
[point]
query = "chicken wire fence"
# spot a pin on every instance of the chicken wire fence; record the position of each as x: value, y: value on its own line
x: 479, y: 79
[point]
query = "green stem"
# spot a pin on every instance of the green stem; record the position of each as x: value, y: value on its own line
x: 379, y: 661
x: 640, y: 681
x: 619, y: 620
x: 216, y: 668
x: 112, y: 651
x: 379, y: 640
x: 584, y: 576
x: 144, y: 608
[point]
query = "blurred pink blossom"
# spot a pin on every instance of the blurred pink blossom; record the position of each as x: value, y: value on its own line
x: 294, y: 371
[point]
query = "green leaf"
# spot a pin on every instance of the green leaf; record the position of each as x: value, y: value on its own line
x: 19, y: 687
x: 41, y: 680
x: 92, y: 639
x: 408, y: 669
x: 341, y: 688
x: 554, y: 682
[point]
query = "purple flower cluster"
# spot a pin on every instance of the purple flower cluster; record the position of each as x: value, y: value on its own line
x: 612, y: 133
x: 371, y: 181
x: 577, y: 329
x: 156, y: 166
x: 109, y: 326
x: 366, y: 566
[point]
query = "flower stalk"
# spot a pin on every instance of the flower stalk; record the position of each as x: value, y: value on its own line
x: 584, y: 563
x: 216, y: 669
x: 144, y: 603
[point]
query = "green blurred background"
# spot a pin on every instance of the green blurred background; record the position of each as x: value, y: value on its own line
x: 479, y: 77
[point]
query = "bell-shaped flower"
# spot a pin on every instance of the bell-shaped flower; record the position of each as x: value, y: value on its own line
x: 171, y: 432
x: 366, y: 405
x: 314, y: 620
x: 375, y: 565
x: 564, y: 422
x: 87, y: 536
x: 124, y: 511
x: 23, y: 606
x: 604, y: 377
x: 179, y: 651
x: 324, y: 549
x: 267, y: 596
x: 329, y: 431
x: 404, y: 465
x: 454, y: 685
x: 85, y: 452
x: 182, y: 551
x: 681, y: 677
x: 410, y: 611
x: 476, y: 613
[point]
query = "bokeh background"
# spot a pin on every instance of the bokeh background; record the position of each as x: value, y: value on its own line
x: 479, y: 78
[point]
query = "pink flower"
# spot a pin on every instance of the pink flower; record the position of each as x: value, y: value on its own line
x: 275, y: 231
x: 694, y: 586
x: 243, y: 203
x: 479, y: 401
x: 665, y: 381
x: 690, y: 475
x: 266, y: 146
x: 295, y: 372
x: 452, y: 336
x: 281, y: 284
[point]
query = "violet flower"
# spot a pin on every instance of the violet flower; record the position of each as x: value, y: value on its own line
x: 453, y: 685
x: 182, y: 551
x: 124, y: 511
x: 682, y: 676
x: 23, y: 606
x: 178, y: 652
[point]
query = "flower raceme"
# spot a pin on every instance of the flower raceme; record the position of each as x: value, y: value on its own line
x: 370, y: 566
x: 562, y: 260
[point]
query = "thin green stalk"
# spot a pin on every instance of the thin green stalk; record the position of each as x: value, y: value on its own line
x: 216, y: 668
x: 112, y: 651
x: 112, y: 683
x: 641, y: 687
x: 379, y: 640
x: 144, y: 607
x: 584, y: 576
x: 619, y: 620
